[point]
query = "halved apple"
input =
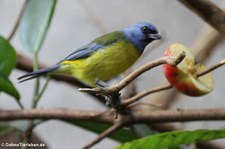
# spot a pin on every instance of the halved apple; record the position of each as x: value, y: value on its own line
x: 183, y: 77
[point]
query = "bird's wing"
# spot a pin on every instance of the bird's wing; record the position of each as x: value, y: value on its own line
x: 83, y: 52
x: 95, y: 45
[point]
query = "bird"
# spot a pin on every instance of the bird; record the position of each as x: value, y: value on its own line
x: 105, y: 57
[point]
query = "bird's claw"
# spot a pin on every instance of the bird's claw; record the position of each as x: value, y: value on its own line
x: 113, y: 100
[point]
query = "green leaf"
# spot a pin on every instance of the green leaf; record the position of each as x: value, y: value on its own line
x: 121, y: 135
x: 4, y: 128
x: 173, y: 139
x: 7, y: 87
x: 7, y: 57
x: 35, y: 22
x: 7, y: 63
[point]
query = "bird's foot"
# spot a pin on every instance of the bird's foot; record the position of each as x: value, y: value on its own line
x: 113, y: 100
x: 98, y: 90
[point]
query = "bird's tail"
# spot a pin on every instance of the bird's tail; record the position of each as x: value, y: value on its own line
x: 38, y: 73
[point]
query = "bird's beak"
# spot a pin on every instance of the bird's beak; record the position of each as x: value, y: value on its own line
x: 155, y: 36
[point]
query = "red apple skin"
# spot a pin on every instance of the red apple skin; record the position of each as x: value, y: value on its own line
x: 183, y: 82
x: 187, y: 88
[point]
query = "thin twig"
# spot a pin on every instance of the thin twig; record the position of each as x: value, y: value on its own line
x: 20, y: 104
x: 145, y: 93
x: 120, y: 85
x: 17, y: 21
x: 104, y: 134
x: 35, y: 102
x: 221, y: 63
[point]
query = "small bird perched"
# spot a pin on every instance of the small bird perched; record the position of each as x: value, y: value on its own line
x: 105, y: 57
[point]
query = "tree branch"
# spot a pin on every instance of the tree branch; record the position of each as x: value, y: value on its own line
x: 178, y: 115
x: 219, y: 64
x: 209, y: 12
x: 139, y: 116
x: 63, y: 114
x: 104, y: 134
x: 145, y: 93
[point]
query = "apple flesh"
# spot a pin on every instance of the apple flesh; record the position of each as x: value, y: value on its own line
x: 183, y: 77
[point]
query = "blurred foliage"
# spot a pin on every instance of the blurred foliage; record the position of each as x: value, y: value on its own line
x: 35, y: 22
x: 173, y: 139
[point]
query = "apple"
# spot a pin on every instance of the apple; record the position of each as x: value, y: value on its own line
x: 183, y: 77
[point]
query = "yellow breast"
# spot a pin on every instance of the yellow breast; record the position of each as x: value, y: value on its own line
x: 104, y: 64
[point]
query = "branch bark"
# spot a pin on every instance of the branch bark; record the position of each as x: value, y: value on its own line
x: 145, y: 93
x: 139, y: 116
x: 63, y: 114
x: 104, y: 134
x: 212, y: 68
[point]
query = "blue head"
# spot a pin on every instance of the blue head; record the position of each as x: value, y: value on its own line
x: 141, y: 34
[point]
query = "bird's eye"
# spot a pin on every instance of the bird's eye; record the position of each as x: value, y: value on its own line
x: 145, y: 29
